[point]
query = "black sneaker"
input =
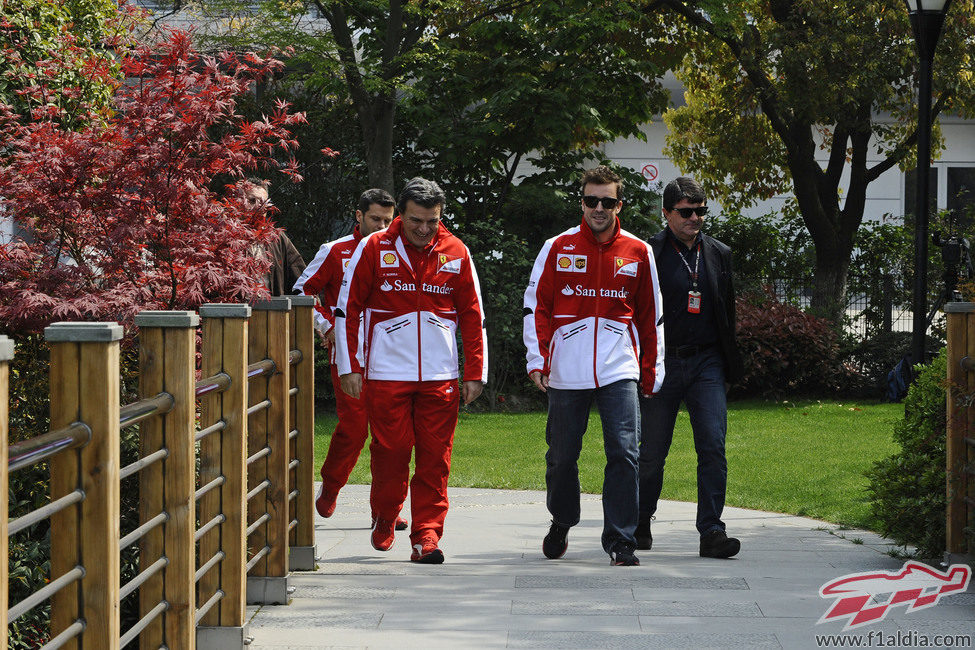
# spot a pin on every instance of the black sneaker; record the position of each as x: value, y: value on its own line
x: 644, y: 540
x: 718, y: 544
x: 622, y: 555
x: 557, y: 540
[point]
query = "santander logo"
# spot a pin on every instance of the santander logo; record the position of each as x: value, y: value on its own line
x: 386, y: 286
x: 568, y: 291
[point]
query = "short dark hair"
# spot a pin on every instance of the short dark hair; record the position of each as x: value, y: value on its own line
x: 421, y: 191
x: 377, y: 196
x: 602, y: 175
x: 258, y: 182
x: 682, y: 187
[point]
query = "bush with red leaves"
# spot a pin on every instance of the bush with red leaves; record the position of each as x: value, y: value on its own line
x: 785, y: 350
x: 117, y: 210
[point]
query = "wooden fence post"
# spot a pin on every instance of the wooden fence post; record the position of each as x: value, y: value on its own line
x: 6, y: 354
x: 302, y: 540
x: 225, y: 328
x: 267, y: 582
x: 85, y: 388
x: 167, y: 363
x: 961, y: 428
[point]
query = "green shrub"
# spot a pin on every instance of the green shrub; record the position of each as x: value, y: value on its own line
x: 907, y: 490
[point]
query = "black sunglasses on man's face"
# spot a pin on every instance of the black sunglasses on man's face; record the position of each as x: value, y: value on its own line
x: 609, y: 202
x: 687, y: 212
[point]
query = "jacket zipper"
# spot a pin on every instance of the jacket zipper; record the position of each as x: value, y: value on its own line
x: 595, y: 335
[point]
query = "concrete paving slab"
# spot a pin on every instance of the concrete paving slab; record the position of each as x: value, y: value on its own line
x: 497, y: 590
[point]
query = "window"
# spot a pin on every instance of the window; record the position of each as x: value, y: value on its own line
x: 961, y: 193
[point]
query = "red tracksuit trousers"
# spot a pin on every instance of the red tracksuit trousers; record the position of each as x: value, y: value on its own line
x: 347, y: 440
x: 408, y: 415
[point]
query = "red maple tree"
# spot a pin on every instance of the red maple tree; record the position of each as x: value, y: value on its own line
x: 120, y: 214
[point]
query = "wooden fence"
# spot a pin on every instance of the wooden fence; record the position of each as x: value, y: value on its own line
x: 960, y: 443
x: 225, y: 475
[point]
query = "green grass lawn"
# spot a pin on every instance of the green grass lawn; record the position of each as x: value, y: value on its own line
x: 805, y: 458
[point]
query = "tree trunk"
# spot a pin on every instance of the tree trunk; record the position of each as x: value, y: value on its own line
x: 377, y: 121
x: 829, y: 284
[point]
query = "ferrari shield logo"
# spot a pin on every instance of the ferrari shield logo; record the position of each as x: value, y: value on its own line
x: 626, y: 266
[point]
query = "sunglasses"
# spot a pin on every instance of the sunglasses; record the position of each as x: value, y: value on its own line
x: 608, y: 202
x: 686, y: 213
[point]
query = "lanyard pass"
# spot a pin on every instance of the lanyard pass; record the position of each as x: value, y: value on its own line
x: 694, y: 302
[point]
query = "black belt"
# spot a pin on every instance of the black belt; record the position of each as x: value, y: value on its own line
x: 686, y: 351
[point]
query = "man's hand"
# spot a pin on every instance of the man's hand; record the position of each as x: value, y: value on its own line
x: 471, y: 390
x: 540, y: 380
x: 352, y: 384
x: 330, y: 337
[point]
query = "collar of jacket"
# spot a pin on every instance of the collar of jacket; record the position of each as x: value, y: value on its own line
x: 357, y: 233
x: 396, y: 230
x: 587, y: 232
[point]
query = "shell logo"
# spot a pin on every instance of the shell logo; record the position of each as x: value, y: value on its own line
x: 564, y: 262
x: 389, y: 258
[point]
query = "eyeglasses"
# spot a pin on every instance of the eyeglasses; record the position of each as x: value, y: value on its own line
x: 609, y: 202
x: 686, y: 213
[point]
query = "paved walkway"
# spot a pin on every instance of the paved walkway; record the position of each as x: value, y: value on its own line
x: 497, y: 590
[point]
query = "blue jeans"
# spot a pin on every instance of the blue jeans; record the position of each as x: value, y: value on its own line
x: 568, y: 416
x: 699, y: 382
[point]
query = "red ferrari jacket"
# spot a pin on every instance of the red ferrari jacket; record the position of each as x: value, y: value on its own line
x: 411, y: 303
x: 324, y: 277
x: 593, y: 312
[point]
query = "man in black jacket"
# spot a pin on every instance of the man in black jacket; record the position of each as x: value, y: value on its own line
x: 702, y: 358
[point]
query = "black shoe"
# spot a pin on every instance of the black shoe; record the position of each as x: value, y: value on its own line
x: 557, y: 540
x: 718, y: 544
x: 622, y: 555
x: 644, y: 540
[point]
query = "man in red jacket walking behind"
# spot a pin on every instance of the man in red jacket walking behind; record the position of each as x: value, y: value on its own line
x: 593, y: 328
x: 413, y: 285
x: 323, y: 277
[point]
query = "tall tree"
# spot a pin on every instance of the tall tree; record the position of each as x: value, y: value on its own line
x: 369, y: 52
x: 810, y: 96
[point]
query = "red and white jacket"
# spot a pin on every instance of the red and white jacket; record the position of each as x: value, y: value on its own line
x: 593, y: 312
x: 411, y: 303
x: 323, y: 277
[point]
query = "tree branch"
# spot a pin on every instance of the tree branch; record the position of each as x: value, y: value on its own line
x: 904, y: 148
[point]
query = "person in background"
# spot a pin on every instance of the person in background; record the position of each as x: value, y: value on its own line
x: 286, y: 262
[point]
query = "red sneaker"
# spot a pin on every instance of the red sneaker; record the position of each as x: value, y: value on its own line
x: 325, y: 502
x: 426, y: 553
x: 401, y: 524
x: 382, y: 534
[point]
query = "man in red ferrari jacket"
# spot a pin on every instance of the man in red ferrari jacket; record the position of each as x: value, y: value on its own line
x: 323, y: 277
x: 593, y: 328
x: 413, y: 285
